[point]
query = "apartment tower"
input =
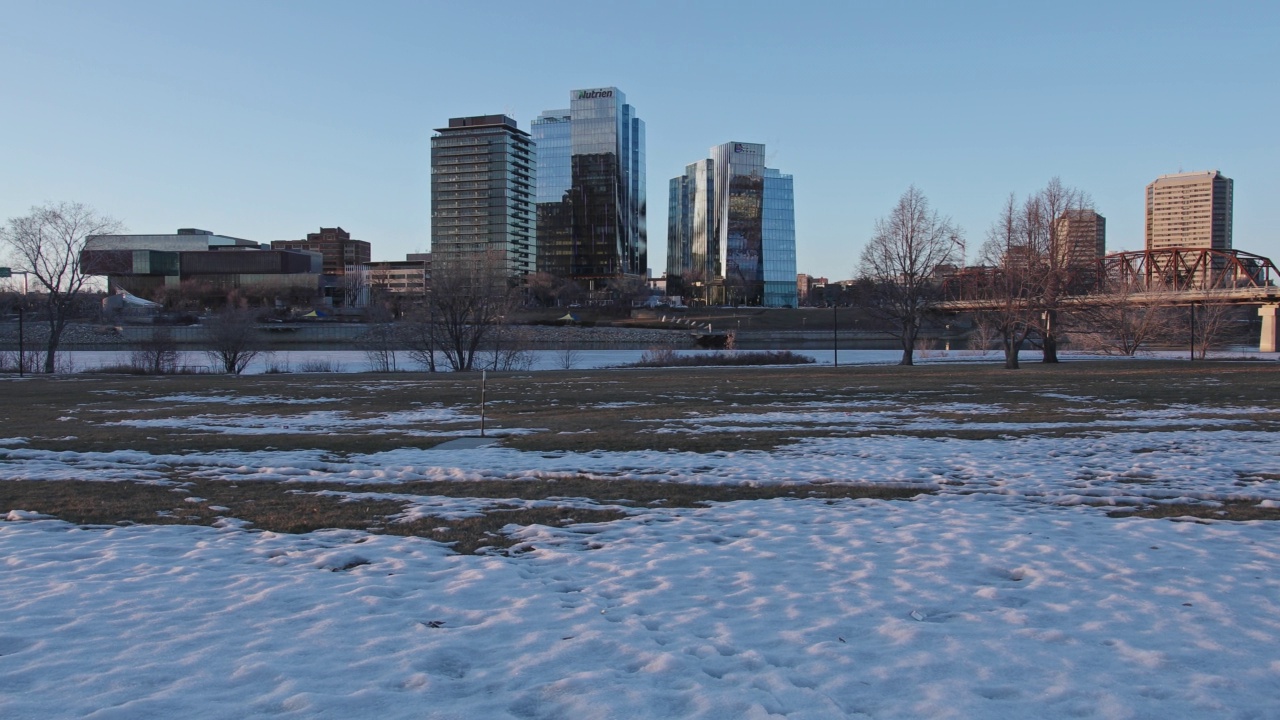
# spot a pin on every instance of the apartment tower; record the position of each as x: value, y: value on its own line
x: 1081, y: 235
x: 591, y: 190
x: 1189, y: 210
x: 483, y: 179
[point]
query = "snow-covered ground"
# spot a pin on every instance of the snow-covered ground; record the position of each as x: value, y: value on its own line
x: 1008, y: 593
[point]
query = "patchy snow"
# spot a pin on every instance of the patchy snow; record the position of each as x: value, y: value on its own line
x: 316, y: 421
x: 1006, y: 594
x: 241, y: 399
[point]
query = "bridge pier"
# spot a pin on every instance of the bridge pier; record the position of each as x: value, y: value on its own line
x: 1268, y: 314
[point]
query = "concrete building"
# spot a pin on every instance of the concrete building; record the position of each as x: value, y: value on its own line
x: 342, y: 259
x: 731, y: 229
x: 805, y: 285
x: 1189, y: 210
x: 199, y: 267
x: 1082, y: 241
x: 591, y: 190
x: 483, y: 178
x: 399, y: 277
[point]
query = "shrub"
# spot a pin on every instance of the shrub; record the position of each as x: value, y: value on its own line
x: 666, y: 357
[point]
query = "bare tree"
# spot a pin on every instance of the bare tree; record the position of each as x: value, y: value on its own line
x: 1009, y: 284
x: 380, y: 339
x: 1055, y: 268
x: 902, y: 258
x: 1121, y: 321
x: 469, y: 297
x: 1208, y: 324
x: 233, y: 339
x: 508, y: 349
x: 355, y: 284
x: 156, y: 353
x: 47, y: 244
x: 567, y: 357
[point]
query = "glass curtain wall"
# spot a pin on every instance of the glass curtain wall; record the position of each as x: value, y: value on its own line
x: 551, y: 132
x: 779, y: 236
x: 591, y: 197
x: 732, y: 230
x: 739, y: 173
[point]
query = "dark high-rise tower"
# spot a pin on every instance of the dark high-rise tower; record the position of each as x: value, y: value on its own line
x: 591, y: 189
x: 483, y: 176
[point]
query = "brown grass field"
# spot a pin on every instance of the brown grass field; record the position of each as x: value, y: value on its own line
x: 605, y: 410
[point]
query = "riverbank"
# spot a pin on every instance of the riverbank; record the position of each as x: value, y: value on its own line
x: 314, y: 336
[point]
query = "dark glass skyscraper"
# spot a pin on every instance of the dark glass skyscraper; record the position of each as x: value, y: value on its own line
x: 591, y: 189
x: 731, y: 234
x: 483, y: 175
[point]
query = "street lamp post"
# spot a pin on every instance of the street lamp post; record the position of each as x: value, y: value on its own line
x: 22, y: 350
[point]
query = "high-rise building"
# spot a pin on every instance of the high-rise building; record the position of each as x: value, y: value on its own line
x: 731, y: 234
x: 483, y: 177
x: 1082, y: 241
x: 1189, y: 210
x: 591, y: 190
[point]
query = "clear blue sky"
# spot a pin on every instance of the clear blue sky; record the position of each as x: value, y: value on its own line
x: 267, y: 120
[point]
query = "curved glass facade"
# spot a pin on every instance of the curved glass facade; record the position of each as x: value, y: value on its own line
x: 731, y: 238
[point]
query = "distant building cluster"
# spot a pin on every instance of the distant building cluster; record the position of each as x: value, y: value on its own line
x: 566, y: 202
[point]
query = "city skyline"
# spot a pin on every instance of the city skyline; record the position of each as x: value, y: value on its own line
x: 244, y: 118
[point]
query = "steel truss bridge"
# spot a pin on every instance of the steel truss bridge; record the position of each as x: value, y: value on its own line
x: 1171, y: 276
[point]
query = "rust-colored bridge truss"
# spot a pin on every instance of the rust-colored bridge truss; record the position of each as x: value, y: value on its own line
x: 1187, y: 269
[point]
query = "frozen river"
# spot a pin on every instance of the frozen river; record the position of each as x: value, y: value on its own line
x: 352, y: 361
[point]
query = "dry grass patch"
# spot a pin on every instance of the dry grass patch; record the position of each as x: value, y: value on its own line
x: 1225, y: 511
x: 302, y: 508
x: 606, y: 409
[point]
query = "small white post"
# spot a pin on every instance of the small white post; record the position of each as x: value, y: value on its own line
x: 483, y: 377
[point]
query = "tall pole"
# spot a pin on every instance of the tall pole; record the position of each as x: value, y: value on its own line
x: 22, y: 350
x: 835, y: 337
x: 483, y: 377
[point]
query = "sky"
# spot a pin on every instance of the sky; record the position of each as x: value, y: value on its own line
x: 267, y: 120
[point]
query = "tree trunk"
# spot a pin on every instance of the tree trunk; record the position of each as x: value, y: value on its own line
x: 909, y: 334
x: 51, y: 350
x: 1011, y: 343
x: 1050, y: 336
x: 1050, y: 345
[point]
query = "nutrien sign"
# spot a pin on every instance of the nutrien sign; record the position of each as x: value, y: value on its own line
x: 593, y: 94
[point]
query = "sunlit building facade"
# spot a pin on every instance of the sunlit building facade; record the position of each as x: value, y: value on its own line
x: 1190, y: 210
x: 1081, y: 236
x: 731, y: 230
x: 591, y: 190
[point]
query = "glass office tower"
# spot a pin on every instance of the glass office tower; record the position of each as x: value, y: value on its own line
x: 483, y: 176
x: 734, y: 240
x: 779, y: 240
x: 591, y: 189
